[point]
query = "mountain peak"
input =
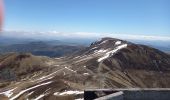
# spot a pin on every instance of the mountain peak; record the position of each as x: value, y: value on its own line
x: 126, y: 55
x: 106, y: 43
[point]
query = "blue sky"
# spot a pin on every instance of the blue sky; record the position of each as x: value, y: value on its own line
x: 135, y: 17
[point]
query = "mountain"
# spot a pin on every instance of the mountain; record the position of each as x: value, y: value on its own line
x: 40, y: 48
x: 161, y: 45
x: 17, y: 66
x: 106, y: 63
x: 14, y: 41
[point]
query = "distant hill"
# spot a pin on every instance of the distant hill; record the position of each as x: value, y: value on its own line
x: 161, y: 45
x: 42, y: 48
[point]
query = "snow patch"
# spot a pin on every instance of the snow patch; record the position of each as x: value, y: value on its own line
x: 48, y: 76
x: 56, y: 93
x: 118, y: 42
x: 100, y: 51
x: 103, y: 42
x: 8, y: 93
x: 80, y: 99
x: 30, y: 93
x: 110, y: 53
x: 94, y: 48
x: 23, y: 91
x: 85, y: 74
x: 39, y: 97
x: 77, y: 57
x: 69, y: 93
x: 70, y: 69
x: 45, y: 78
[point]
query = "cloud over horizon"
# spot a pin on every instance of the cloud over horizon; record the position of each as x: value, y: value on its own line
x: 81, y: 35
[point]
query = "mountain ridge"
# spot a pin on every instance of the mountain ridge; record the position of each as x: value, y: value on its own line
x: 107, y: 63
x: 41, y: 48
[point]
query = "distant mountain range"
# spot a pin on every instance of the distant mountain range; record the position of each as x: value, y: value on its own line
x: 161, y: 45
x: 58, y: 48
x: 41, y: 48
x: 106, y: 63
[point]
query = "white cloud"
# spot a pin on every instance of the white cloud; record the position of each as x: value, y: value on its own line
x: 84, y: 35
x: 140, y: 37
